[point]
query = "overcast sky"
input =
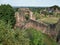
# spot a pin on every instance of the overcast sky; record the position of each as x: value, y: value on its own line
x: 31, y: 2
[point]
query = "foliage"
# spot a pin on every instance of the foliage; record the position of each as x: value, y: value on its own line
x: 7, y: 14
x: 38, y: 38
x: 37, y: 15
x: 36, y: 9
x: 58, y: 15
x: 10, y: 36
x: 35, y: 37
x: 27, y: 17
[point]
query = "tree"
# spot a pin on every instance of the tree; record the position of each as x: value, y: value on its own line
x: 7, y: 14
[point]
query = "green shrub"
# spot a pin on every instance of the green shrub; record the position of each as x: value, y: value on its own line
x: 38, y: 38
x: 7, y: 14
x: 10, y: 36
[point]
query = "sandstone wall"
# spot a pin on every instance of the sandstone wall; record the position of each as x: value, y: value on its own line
x: 34, y: 24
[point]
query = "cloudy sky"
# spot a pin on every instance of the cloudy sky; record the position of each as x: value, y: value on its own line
x: 31, y: 2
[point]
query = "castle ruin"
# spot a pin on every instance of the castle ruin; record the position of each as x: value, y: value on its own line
x: 23, y: 23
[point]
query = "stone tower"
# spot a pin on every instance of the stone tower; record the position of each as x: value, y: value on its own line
x: 19, y: 19
x: 20, y: 16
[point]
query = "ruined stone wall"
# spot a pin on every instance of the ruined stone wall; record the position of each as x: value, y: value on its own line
x: 20, y: 19
x: 34, y: 24
x: 52, y: 30
x: 58, y: 31
x: 45, y: 28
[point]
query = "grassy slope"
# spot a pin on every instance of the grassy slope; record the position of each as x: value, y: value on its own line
x: 50, y: 20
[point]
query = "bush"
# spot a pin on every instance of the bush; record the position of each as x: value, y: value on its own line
x: 7, y: 14
x: 10, y: 36
x: 38, y: 38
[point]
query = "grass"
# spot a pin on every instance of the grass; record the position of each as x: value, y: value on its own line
x: 48, y: 40
x: 50, y: 20
x: 41, y: 38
